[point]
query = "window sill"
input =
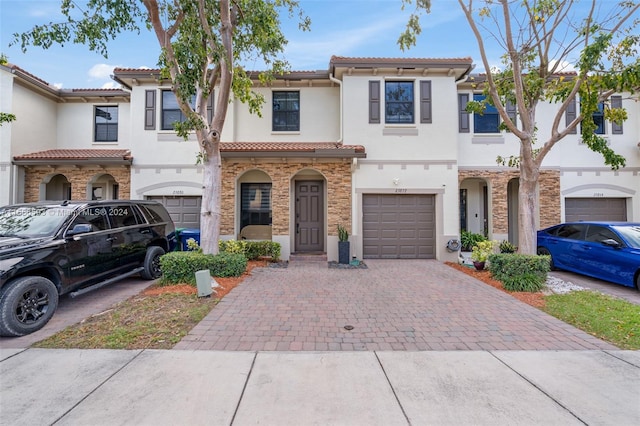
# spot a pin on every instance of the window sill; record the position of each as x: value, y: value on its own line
x: 411, y: 130
x: 105, y: 143
x: 284, y: 132
x: 488, y: 139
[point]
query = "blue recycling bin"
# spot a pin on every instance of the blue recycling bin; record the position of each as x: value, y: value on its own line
x: 186, y: 234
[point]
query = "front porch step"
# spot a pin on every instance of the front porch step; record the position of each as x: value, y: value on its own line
x: 308, y: 257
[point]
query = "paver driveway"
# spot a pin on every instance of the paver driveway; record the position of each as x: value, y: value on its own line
x: 392, y: 305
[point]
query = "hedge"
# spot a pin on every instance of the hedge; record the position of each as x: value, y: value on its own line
x: 520, y: 272
x: 251, y: 249
x: 180, y: 266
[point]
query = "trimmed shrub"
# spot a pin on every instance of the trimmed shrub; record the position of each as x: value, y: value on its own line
x: 529, y: 282
x: 519, y: 272
x: 180, y: 266
x: 232, y: 246
x: 228, y: 265
x: 251, y: 249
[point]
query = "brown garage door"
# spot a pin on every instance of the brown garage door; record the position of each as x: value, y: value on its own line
x: 398, y: 226
x: 609, y: 209
x: 185, y: 211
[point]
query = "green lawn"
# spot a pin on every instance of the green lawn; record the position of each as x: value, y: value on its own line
x: 608, y: 318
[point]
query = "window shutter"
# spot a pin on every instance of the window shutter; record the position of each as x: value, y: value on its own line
x: 150, y: 110
x: 425, y: 102
x: 616, y: 102
x: 571, y: 114
x: 512, y: 112
x: 374, y: 101
x: 463, y: 115
x: 210, y: 106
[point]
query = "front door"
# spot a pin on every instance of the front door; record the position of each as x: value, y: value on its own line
x: 309, y: 220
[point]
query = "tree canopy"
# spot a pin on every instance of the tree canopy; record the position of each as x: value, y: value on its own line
x: 541, y: 40
x: 203, y: 45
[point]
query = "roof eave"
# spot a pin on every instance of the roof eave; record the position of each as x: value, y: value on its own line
x: 318, y: 153
x: 74, y: 162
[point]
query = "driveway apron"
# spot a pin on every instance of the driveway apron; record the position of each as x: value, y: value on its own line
x: 393, y: 305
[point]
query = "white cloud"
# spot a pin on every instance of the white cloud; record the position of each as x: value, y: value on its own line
x: 57, y: 85
x: 110, y: 85
x: 564, y: 66
x: 40, y: 9
x: 101, y: 71
x: 304, y: 51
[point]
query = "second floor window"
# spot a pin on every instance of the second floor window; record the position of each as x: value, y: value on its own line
x: 489, y: 122
x: 398, y: 98
x: 286, y: 111
x: 106, y: 124
x: 171, y: 112
x: 598, y: 119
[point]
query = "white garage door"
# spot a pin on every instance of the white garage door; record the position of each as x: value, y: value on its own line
x: 185, y: 211
x: 398, y: 226
x: 609, y: 209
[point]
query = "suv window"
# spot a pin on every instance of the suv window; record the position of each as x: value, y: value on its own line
x: 94, y: 216
x: 155, y: 213
x: 122, y: 215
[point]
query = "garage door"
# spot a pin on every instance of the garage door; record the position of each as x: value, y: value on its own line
x: 185, y: 211
x: 610, y: 209
x: 398, y: 226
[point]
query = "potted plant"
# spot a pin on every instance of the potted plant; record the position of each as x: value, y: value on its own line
x: 344, y: 249
x: 480, y: 253
x: 507, y: 247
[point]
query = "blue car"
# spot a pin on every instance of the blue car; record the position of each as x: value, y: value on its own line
x: 609, y: 251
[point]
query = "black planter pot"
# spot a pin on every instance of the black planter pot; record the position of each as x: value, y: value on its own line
x: 478, y: 265
x: 343, y: 252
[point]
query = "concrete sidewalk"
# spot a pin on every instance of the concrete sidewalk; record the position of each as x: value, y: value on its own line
x: 151, y: 387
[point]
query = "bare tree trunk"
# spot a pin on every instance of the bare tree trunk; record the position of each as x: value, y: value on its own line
x: 529, y: 174
x: 211, y: 199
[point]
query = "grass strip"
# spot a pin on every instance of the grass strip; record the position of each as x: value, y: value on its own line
x: 608, y: 318
x: 141, y: 322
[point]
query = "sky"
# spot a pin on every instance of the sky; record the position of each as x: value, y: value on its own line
x: 359, y: 28
x: 356, y: 28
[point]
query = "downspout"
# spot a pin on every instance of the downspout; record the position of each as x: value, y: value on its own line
x: 339, y: 83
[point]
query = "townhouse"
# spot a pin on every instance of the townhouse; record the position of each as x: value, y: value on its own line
x: 382, y: 146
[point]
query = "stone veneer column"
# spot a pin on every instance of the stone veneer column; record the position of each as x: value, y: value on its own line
x: 497, y: 182
x: 338, y: 184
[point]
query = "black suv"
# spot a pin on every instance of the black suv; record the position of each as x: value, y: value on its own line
x: 49, y: 249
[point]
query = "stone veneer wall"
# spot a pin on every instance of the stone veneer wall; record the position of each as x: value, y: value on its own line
x: 497, y: 181
x: 78, y: 177
x: 337, y: 174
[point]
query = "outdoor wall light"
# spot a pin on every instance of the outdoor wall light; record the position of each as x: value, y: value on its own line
x: 396, y: 181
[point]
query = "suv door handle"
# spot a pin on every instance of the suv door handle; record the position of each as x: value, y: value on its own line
x: 111, y: 239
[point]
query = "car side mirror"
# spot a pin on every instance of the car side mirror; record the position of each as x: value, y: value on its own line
x: 80, y: 228
x: 611, y: 243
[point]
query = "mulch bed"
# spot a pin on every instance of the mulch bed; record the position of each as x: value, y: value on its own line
x: 226, y: 284
x: 534, y: 299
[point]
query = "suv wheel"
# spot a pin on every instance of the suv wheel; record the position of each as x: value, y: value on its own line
x: 26, y: 305
x: 152, y: 263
